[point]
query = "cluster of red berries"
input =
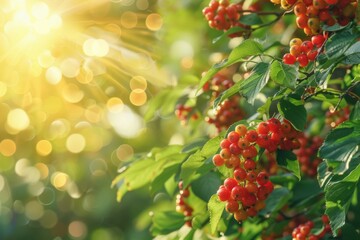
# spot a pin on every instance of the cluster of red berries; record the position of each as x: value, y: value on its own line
x: 304, y: 52
x: 246, y: 191
x: 311, y: 14
x: 286, y: 230
x: 222, y: 15
x: 307, y: 152
x: 336, y: 117
x: 184, y: 113
x: 228, y: 111
x: 303, y: 231
x: 182, y: 206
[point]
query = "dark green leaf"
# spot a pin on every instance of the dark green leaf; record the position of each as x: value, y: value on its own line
x: 323, y: 74
x: 247, y: 48
x: 284, y: 74
x: 341, y: 144
x: 352, y: 55
x: 336, y: 215
x: 355, y: 113
x: 289, y: 160
x: 251, y: 86
x: 339, y: 43
x: 205, y: 186
x: 333, y: 28
x: 294, y: 111
x: 340, y: 192
x: 277, y: 199
x: 216, y: 208
x: 251, y: 19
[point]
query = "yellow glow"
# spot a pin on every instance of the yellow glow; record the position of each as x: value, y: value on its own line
x: 70, y: 67
x: 43, y: 169
x: 115, y: 104
x: 96, y: 47
x: 18, y: 119
x: 43, y: 147
x: 72, y: 93
x: 2, y: 183
x: 138, y: 97
x: 138, y: 82
x: 53, y: 75
x: 3, y: 88
x: 129, y: 19
x: 154, y: 21
x: 59, y: 180
x: 124, y: 152
x: 7, y: 147
x: 40, y: 10
x: 75, y: 143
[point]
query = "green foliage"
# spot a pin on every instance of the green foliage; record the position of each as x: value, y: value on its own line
x: 309, y: 181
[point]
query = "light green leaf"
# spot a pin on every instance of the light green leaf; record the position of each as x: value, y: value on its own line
x: 216, y: 208
x: 284, y: 74
x: 166, y: 222
x: 247, y: 48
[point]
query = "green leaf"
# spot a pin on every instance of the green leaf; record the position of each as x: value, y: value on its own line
x: 289, y: 160
x: 166, y: 222
x: 340, y: 192
x: 205, y: 186
x: 339, y: 43
x: 195, y: 145
x: 284, y: 74
x: 247, y: 48
x: 216, y: 208
x: 355, y: 113
x: 251, y: 19
x: 323, y: 74
x: 259, y: 77
x: 227, y: 93
x: 336, y: 215
x: 190, y: 169
x: 352, y: 55
x: 341, y: 144
x: 294, y: 111
x: 304, y: 190
x: 277, y: 199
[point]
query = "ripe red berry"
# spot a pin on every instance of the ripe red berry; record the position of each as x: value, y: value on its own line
x: 240, y: 174
x: 251, y: 212
x: 240, y: 215
x: 251, y: 136
x: 274, y: 124
x: 318, y: 40
x: 185, y: 193
x: 243, y: 143
x: 249, y: 152
x: 241, y: 129
x: 218, y: 160
x: 251, y: 187
x: 303, y: 60
x: 289, y: 59
x: 263, y: 128
x: 251, y: 176
x: 225, y: 153
x: 262, y: 178
x: 232, y: 206
x: 230, y: 183
x: 225, y: 143
x: 248, y: 200
x: 249, y: 165
x: 233, y: 137
x: 235, y: 149
x: 223, y: 194
x: 238, y: 192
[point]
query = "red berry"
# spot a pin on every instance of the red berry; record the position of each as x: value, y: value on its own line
x: 318, y: 40
x: 251, y: 212
x: 274, y: 124
x: 289, y: 59
x: 239, y: 174
x: 218, y: 160
x: 225, y: 153
x: 263, y: 128
x: 249, y: 165
x: 303, y: 60
x: 232, y: 206
x: 262, y: 178
x: 251, y: 136
x: 251, y: 176
x: 240, y: 215
x: 243, y: 143
x: 248, y: 200
x: 223, y: 194
x: 230, y: 183
x: 235, y: 149
x: 225, y: 143
x: 238, y: 192
x: 241, y: 129
x: 233, y: 137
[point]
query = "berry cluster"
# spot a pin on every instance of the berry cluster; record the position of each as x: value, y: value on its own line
x: 222, y: 15
x: 303, y: 231
x: 269, y: 163
x: 182, y: 206
x: 312, y: 14
x: 276, y: 233
x: 306, y: 154
x: 246, y: 191
x: 304, y: 52
x: 229, y: 110
x: 183, y: 113
x: 336, y: 117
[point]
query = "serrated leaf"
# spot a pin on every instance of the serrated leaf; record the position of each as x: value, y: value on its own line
x: 352, y: 55
x: 289, y: 160
x: 341, y: 144
x: 336, y: 215
x: 250, y: 87
x: 284, y: 74
x: 215, y: 208
x: 339, y: 43
x: 294, y: 111
x: 247, y: 48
